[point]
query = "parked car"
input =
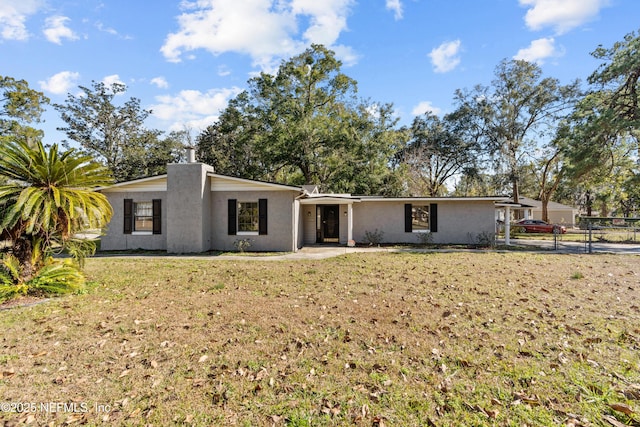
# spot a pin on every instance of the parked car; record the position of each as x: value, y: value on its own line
x: 539, y: 226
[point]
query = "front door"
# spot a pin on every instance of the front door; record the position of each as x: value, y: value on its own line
x: 328, y: 228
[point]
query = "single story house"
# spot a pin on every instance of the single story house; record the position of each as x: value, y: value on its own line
x: 192, y: 209
x: 558, y: 213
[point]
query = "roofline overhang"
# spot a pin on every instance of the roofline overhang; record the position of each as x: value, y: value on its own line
x: 135, y: 181
x: 253, y: 181
x: 329, y: 200
x: 432, y: 199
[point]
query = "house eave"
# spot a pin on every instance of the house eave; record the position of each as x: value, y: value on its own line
x: 432, y: 199
x: 270, y: 185
x: 121, y: 186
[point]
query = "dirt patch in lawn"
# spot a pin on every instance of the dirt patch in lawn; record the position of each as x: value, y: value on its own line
x: 362, y: 339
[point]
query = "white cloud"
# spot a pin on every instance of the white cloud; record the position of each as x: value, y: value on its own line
x: 396, y: 7
x: 266, y: 30
x: 192, y: 108
x: 13, y: 15
x: 446, y: 56
x: 113, y: 78
x: 223, y: 71
x: 539, y: 50
x: 561, y: 15
x: 160, y: 82
x: 425, y: 107
x: 60, y: 83
x: 101, y: 27
x: 56, y: 29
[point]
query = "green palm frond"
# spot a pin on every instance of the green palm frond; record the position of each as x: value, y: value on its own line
x: 10, y: 265
x: 57, y: 277
x: 48, y: 196
x: 10, y: 285
x: 47, y: 187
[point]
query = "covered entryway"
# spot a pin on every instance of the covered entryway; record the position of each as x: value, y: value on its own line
x: 328, y: 224
x: 327, y: 219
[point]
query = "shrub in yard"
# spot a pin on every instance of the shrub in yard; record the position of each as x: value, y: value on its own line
x: 485, y: 239
x: 242, y: 245
x: 424, y: 239
x: 373, y: 237
x: 47, y: 198
x: 54, y: 277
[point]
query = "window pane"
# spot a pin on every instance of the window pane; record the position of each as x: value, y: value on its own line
x: 420, y: 218
x: 248, y: 216
x: 143, y: 216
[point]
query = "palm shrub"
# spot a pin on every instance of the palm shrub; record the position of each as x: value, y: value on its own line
x: 53, y: 276
x: 48, y: 198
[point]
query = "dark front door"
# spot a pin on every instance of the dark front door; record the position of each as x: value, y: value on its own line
x: 328, y: 230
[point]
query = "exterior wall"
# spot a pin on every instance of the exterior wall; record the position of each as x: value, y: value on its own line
x: 342, y: 212
x: 281, y: 229
x: 188, y: 208
x: 564, y: 217
x: 308, y: 213
x: 459, y: 222
x: 115, y: 239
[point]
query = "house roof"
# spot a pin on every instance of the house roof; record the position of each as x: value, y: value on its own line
x: 219, y: 182
x: 151, y: 183
x: 232, y: 183
x: 325, y: 199
x: 430, y: 199
x: 537, y: 204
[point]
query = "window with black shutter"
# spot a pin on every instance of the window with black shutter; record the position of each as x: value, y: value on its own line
x: 232, y: 220
x: 157, y: 216
x: 420, y: 218
x: 128, y: 216
x: 262, y: 216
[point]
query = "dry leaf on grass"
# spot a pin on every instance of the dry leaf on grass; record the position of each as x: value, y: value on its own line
x: 613, y: 421
x: 621, y: 407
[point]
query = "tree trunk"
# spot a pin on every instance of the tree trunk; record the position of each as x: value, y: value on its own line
x: 545, y: 206
x: 23, y: 251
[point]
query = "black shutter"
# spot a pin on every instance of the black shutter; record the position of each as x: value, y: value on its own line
x: 232, y: 214
x: 128, y: 216
x: 262, y: 216
x: 157, y: 216
x: 408, y: 218
x: 433, y: 217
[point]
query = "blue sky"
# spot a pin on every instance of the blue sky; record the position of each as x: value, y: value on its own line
x: 185, y: 59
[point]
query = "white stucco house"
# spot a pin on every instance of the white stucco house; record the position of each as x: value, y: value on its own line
x: 558, y: 213
x: 192, y: 209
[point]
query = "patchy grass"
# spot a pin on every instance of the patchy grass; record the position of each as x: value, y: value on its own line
x: 362, y: 339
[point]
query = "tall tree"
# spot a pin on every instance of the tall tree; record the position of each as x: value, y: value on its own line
x: 104, y: 130
x: 438, y: 150
x: 604, y: 129
x: 20, y: 106
x: 48, y: 199
x: 233, y: 144
x: 149, y: 151
x: 518, y: 110
x: 617, y: 80
x: 302, y: 126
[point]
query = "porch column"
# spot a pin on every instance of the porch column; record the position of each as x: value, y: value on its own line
x: 350, y: 225
x: 507, y: 225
